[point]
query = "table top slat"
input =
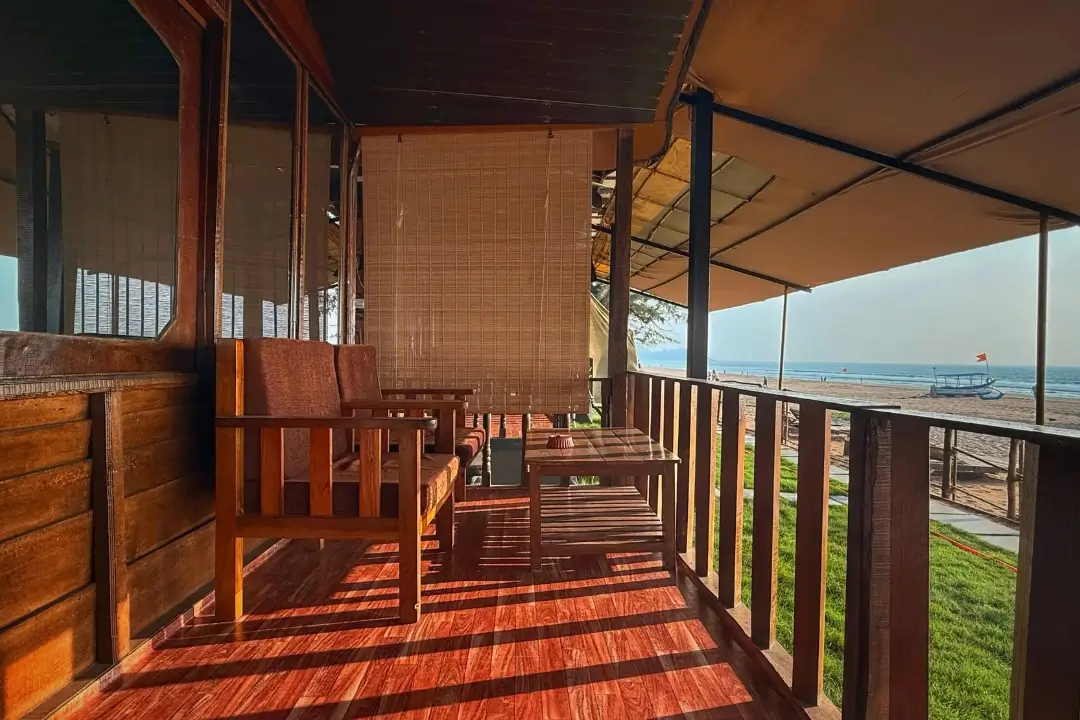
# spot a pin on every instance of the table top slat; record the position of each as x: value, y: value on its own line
x: 614, y: 445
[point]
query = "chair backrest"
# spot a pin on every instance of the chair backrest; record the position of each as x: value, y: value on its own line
x: 290, y: 377
x: 358, y: 373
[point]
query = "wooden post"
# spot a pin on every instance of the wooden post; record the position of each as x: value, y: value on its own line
x: 684, y: 479
x: 811, y: 535
x: 619, y: 294
x: 485, y: 477
x: 642, y: 410
x: 1011, y: 478
x: 31, y: 219
x: 54, y: 256
x: 502, y: 425
x: 704, y: 482
x: 671, y: 429
x: 656, y: 432
x: 948, y: 465
x: 410, y: 524
x: 298, y: 231
x: 229, y: 480
x: 766, y: 523
x: 526, y: 426
x: 729, y: 553
x: 701, y: 149
x: 1046, y: 677
x: 1040, y: 319
x: 112, y: 615
x: 886, y: 645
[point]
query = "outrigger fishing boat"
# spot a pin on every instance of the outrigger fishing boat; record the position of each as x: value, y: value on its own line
x: 976, y: 384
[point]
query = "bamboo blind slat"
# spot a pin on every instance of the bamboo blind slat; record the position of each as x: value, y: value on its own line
x: 476, y: 265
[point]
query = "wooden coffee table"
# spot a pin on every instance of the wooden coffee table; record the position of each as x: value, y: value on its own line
x: 593, y: 519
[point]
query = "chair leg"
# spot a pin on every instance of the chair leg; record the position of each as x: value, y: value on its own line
x: 409, y: 570
x: 444, y: 526
x: 461, y: 485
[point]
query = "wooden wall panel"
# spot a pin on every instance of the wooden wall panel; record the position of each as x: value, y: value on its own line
x: 153, y: 398
x: 151, y: 465
x: 154, y: 426
x: 41, y: 654
x: 28, y: 450
x: 44, y: 565
x: 165, y: 512
x: 40, y: 498
x: 31, y: 412
x: 166, y: 577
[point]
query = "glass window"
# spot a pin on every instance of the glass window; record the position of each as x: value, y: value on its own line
x: 256, y: 278
x: 325, y: 239
x: 89, y: 151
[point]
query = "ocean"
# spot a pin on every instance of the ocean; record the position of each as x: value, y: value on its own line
x: 1061, y: 381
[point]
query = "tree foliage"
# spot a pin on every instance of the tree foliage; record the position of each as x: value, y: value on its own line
x: 649, y: 317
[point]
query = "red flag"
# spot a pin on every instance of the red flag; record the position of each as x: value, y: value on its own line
x: 843, y: 370
x: 981, y: 357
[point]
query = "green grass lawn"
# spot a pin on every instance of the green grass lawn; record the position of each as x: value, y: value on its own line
x: 971, y: 615
x: 789, y: 472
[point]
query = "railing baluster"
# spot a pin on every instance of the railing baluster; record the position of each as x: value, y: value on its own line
x: 811, y: 530
x: 271, y: 471
x: 684, y: 514
x: 729, y: 552
x: 708, y: 401
x: 887, y: 633
x: 656, y: 431
x: 1046, y: 676
x: 321, y: 472
x: 671, y: 427
x: 642, y: 393
x: 766, y: 522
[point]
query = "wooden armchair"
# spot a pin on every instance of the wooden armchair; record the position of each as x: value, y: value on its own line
x: 358, y: 377
x: 284, y: 469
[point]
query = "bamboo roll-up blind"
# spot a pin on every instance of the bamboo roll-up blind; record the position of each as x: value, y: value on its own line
x: 476, y: 265
x: 317, y: 274
x: 258, y: 212
x: 119, y: 211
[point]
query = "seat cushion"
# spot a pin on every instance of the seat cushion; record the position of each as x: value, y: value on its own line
x: 467, y: 443
x: 437, y: 473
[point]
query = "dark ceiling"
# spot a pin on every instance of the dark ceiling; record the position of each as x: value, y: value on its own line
x: 473, y: 62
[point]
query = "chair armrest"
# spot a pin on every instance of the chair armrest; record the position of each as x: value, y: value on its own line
x: 456, y: 392
x: 390, y: 404
x: 300, y: 421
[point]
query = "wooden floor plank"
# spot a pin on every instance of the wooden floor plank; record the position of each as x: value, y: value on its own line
x: 585, y: 637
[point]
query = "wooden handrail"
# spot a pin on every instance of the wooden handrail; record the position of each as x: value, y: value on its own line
x: 887, y: 604
x: 342, y: 423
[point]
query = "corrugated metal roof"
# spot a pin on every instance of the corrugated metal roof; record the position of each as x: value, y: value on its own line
x: 488, y: 62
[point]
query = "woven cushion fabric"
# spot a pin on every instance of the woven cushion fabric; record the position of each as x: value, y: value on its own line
x: 358, y: 374
x: 469, y: 442
x: 289, y: 377
x: 437, y: 473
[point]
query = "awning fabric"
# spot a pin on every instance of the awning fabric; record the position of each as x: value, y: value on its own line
x: 939, y: 84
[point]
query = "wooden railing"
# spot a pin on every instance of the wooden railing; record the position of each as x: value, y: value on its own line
x: 886, y: 629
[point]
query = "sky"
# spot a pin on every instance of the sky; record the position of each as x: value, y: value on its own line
x: 942, y: 311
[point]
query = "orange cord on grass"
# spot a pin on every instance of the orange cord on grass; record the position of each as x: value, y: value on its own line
x: 973, y: 551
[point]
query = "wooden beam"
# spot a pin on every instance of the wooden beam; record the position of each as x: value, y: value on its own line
x: 811, y: 533
x: 729, y: 552
x: 701, y: 146
x: 619, y: 295
x: 766, y: 522
x: 32, y: 219
x: 112, y: 615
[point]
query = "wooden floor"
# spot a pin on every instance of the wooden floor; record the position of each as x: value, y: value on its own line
x: 587, y: 637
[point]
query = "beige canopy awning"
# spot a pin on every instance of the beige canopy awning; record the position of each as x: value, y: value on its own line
x: 984, y: 90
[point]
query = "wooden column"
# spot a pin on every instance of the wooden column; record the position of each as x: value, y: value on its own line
x: 948, y: 465
x: 766, y: 522
x: 1040, y: 327
x: 347, y: 262
x: 704, y: 482
x: 1011, y: 480
x: 1046, y: 676
x: 112, y: 614
x: 619, y: 294
x: 32, y: 219
x: 701, y: 142
x: 729, y: 552
x: 298, y: 231
x: 684, y: 478
x: 811, y: 533
x: 54, y: 254
x: 886, y: 663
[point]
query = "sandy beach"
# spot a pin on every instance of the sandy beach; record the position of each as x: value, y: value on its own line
x: 1061, y: 412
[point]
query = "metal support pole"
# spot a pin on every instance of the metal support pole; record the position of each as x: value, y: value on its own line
x: 701, y: 142
x: 619, y: 294
x: 1040, y: 332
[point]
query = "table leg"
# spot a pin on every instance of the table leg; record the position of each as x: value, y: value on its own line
x: 534, y: 517
x: 667, y: 511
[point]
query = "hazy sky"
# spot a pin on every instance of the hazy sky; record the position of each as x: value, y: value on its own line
x: 942, y: 311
